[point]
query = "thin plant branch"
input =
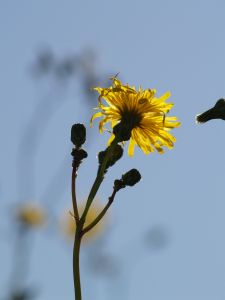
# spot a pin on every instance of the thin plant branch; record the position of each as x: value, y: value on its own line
x: 73, y: 189
x: 102, y: 213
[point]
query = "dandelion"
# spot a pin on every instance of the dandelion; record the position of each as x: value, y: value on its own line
x: 139, y: 113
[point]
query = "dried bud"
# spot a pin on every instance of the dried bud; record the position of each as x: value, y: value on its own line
x: 114, y: 155
x: 131, y: 177
x: 78, y: 135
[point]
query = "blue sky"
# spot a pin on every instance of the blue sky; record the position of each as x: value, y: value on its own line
x: 168, y: 45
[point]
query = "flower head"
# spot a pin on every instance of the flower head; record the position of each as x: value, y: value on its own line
x: 68, y: 224
x: 31, y: 215
x: 140, y: 113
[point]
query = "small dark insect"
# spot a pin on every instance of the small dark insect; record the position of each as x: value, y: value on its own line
x: 216, y: 112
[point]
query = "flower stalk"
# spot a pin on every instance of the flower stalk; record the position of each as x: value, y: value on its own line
x: 76, y: 264
x: 73, y: 190
x: 80, y: 221
x: 99, y: 179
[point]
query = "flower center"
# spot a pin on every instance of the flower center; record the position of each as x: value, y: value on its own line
x: 131, y: 118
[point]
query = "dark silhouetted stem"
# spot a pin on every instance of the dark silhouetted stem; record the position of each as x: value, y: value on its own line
x: 102, y: 213
x: 98, y: 180
x: 81, y: 221
x: 76, y: 265
x: 74, y: 200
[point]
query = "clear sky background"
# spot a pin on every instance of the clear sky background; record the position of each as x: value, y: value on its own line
x: 167, y: 45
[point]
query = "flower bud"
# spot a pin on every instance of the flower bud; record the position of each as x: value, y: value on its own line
x: 78, y: 135
x: 122, y: 131
x: 114, y: 155
x: 131, y: 177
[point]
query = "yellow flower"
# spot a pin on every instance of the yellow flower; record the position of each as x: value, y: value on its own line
x: 69, y: 225
x: 139, y: 111
x: 31, y: 215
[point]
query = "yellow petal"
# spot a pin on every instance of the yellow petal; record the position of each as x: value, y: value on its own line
x: 96, y: 115
x: 164, y: 96
x: 131, y: 147
x: 102, y: 123
x: 111, y: 139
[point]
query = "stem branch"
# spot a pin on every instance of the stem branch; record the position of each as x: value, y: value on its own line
x: 80, y: 221
x: 102, y: 213
x: 99, y: 179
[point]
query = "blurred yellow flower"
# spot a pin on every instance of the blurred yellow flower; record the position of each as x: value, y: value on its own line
x: 31, y: 215
x: 141, y: 112
x: 69, y: 225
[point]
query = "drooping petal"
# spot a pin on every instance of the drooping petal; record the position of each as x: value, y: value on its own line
x: 131, y: 147
x: 111, y: 139
x: 102, y: 123
x: 96, y: 115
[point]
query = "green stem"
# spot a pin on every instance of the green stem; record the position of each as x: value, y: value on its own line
x: 76, y: 265
x: 80, y: 222
x: 73, y: 190
x: 102, y: 213
x: 98, y: 180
